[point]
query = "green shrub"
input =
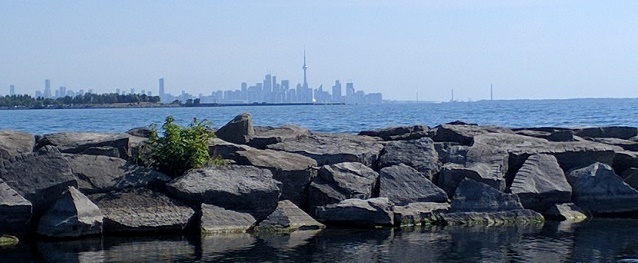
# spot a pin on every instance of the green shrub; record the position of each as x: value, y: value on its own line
x: 180, y: 148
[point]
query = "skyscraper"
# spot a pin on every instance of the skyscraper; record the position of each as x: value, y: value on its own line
x: 47, y: 89
x: 12, y: 90
x: 161, y: 87
x: 336, y: 92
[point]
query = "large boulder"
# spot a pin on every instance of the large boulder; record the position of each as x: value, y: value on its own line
x: 294, y: 171
x: 453, y: 174
x: 267, y: 135
x: 620, y: 132
x: 598, y: 189
x: 631, y: 177
x: 87, y: 142
x: 338, y: 182
x: 225, y: 150
x: 399, y: 133
x: 40, y: 177
x: 15, y: 211
x: 73, y: 215
x: 239, y: 130
x: 463, y: 133
x: 287, y: 218
x: 421, y: 213
x: 358, y: 213
x: 402, y: 185
x: 334, y: 148
x: 625, y: 144
x: 142, y: 210
x: 540, y: 183
x: 566, y: 211
x: 419, y: 154
x: 15, y: 143
x: 235, y: 187
x: 216, y: 220
x: 101, y: 174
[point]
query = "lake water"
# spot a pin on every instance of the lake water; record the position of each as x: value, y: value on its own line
x: 592, y: 241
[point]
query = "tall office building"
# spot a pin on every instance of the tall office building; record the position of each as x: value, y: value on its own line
x: 349, y: 89
x: 336, y: 92
x: 12, y: 90
x: 161, y: 87
x: 47, y: 89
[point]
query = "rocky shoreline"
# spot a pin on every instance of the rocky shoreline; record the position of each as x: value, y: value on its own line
x: 283, y: 179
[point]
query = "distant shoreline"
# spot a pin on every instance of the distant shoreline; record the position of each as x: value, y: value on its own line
x: 161, y: 105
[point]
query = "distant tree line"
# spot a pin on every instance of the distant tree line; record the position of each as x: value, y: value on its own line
x: 26, y: 101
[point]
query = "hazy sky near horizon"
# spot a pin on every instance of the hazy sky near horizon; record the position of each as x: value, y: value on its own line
x: 525, y: 49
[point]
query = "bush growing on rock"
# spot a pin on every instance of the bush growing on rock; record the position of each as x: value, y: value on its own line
x: 180, y: 148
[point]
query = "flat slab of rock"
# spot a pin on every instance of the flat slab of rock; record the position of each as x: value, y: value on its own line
x: 402, y: 185
x: 358, y: 213
x: 142, y: 210
x: 472, y: 196
x: 415, y: 214
x: 79, y: 142
x: 40, y: 177
x: 541, y: 183
x: 73, y: 215
x: 267, y: 135
x: 15, y: 211
x: 235, y: 187
x: 101, y: 174
x: 216, y: 220
x: 15, y: 143
x: 334, y: 148
x: 419, y: 154
x: 463, y: 133
x: 620, y: 132
x: 287, y: 218
x: 399, y: 133
x: 598, y: 189
x: 566, y: 211
x: 239, y: 130
x: 342, y: 181
x: 294, y: 171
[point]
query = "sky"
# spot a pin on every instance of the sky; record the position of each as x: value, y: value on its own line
x: 524, y: 49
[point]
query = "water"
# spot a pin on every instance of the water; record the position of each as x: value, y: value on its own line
x: 594, y: 241
x: 340, y: 118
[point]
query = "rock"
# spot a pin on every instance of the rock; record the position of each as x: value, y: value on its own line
x: 15, y: 211
x: 15, y: 143
x: 216, y: 220
x: 625, y: 144
x: 472, y: 196
x: 599, y: 190
x: 623, y: 161
x: 338, y: 182
x: 265, y: 136
x: 567, y: 211
x: 142, y: 210
x: 402, y: 185
x: 239, y: 130
x: 101, y: 174
x: 399, y: 133
x: 225, y: 150
x: 463, y: 133
x: 452, y: 174
x: 143, y: 132
x: 358, y: 213
x: 561, y: 136
x: 541, y: 183
x: 7, y: 241
x: 103, y: 151
x: 620, y: 132
x: 40, y: 177
x: 287, y: 218
x: 419, y: 154
x: 74, y: 142
x: 631, y: 177
x: 415, y: 214
x: 294, y: 171
x: 451, y: 152
x: 235, y: 187
x: 73, y: 215
x: 334, y: 148
x: 510, y: 217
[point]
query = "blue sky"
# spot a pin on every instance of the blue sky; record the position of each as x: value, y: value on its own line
x: 526, y: 49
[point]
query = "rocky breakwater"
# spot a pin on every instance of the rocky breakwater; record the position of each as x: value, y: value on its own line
x: 288, y: 178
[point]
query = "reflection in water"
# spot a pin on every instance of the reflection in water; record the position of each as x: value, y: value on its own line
x: 592, y: 241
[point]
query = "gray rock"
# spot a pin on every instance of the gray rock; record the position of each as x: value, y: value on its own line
x: 294, y: 171
x: 40, y: 177
x: 419, y: 154
x: 101, y: 174
x: 73, y: 215
x: 15, y: 211
x: 235, y: 187
x: 623, y: 161
x: 334, y: 148
x: 599, y: 190
x: 620, y: 132
x: 74, y: 142
x: 15, y: 143
x: 541, y: 183
x: 216, y: 220
x: 399, y: 133
x: 510, y: 217
x: 421, y: 213
x: 103, y: 151
x: 566, y: 211
x: 452, y: 174
x: 472, y: 196
x: 463, y: 133
x: 239, y: 130
x: 338, y: 182
x: 265, y: 136
x: 561, y: 136
x: 631, y: 177
x: 225, y: 150
x: 142, y: 210
x: 625, y: 144
x: 358, y: 213
x: 288, y: 217
x: 402, y: 185
x: 143, y: 132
